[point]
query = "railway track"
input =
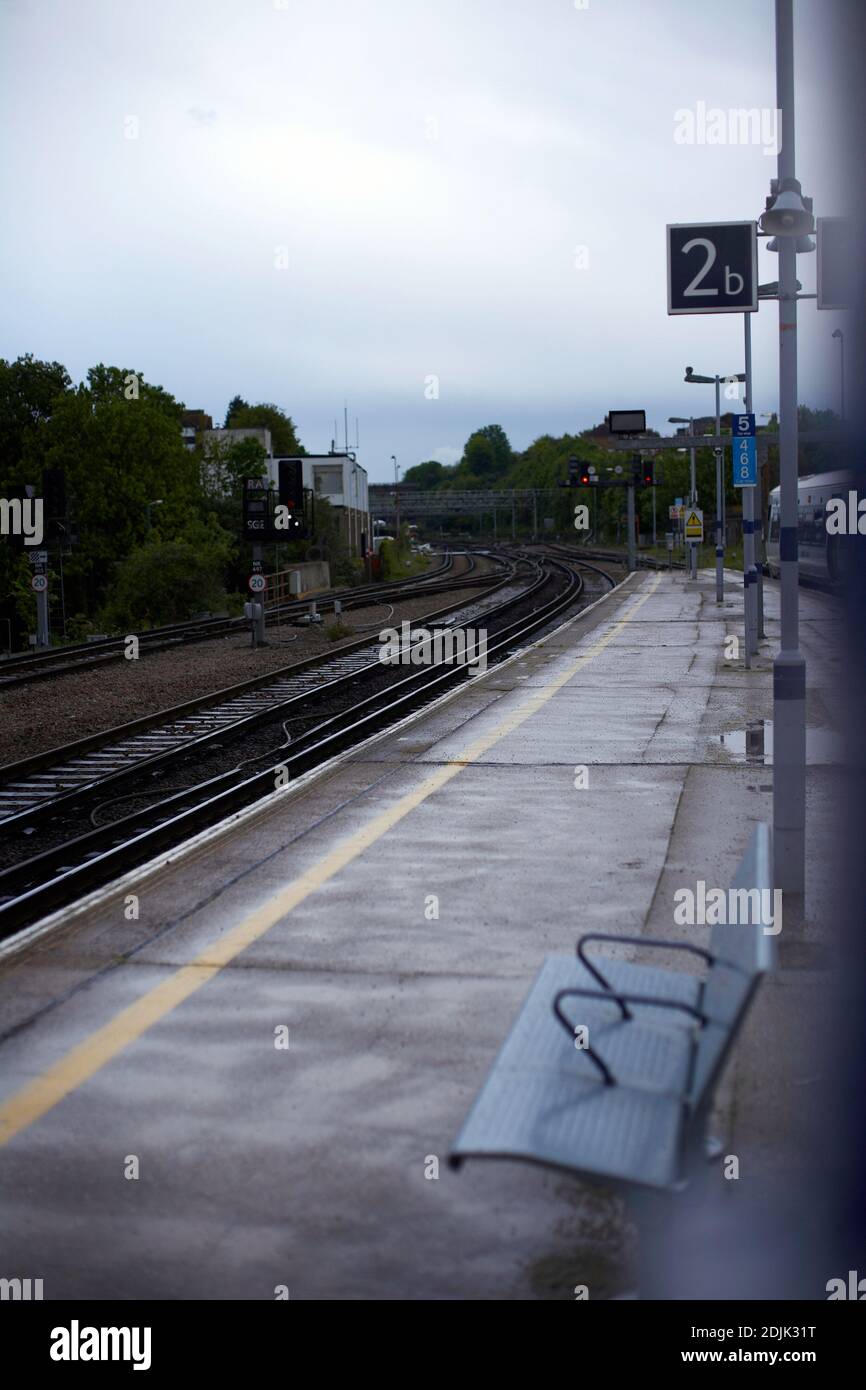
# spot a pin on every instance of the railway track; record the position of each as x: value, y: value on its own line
x: 53, y: 795
x: 34, y: 666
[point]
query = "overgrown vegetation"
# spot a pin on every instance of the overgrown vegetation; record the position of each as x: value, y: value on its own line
x: 489, y: 462
x: 156, y: 526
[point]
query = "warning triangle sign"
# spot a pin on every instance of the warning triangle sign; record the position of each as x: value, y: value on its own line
x: 694, y: 524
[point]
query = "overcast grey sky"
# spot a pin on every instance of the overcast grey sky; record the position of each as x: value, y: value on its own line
x: 327, y: 201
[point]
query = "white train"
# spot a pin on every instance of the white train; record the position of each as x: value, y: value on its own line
x: 822, y: 556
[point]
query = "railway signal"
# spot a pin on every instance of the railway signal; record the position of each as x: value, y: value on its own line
x: 54, y: 500
x: 289, y: 522
x: 580, y: 474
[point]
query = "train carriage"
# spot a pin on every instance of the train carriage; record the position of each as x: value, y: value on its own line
x: 822, y: 556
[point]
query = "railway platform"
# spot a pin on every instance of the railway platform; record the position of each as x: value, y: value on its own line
x: 237, y: 1073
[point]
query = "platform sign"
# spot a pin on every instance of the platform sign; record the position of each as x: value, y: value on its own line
x: 836, y: 262
x: 694, y: 524
x: 712, y: 267
x: 39, y: 583
x: 745, y: 451
x: 257, y: 583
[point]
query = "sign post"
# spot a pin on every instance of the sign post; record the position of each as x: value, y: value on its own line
x: 39, y: 585
x: 713, y: 269
x: 745, y: 453
x: 257, y: 584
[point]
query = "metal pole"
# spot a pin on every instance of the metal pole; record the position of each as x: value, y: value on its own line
x: 259, y: 622
x: 759, y: 535
x: 513, y: 518
x: 396, y: 499
x: 789, y: 666
x: 654, y: 515
x: 62, y: 589
x: 632, y: 559
x: 693, y: 499
x: 534, y: 514
x: 748, y: 495
x: 43, y: 633
x: 720, y: 544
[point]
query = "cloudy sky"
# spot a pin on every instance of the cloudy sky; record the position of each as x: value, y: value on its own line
x: 319, y: 201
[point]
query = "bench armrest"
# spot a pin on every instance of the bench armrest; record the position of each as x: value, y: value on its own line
x: 621, y: 999
x: 633, y: 941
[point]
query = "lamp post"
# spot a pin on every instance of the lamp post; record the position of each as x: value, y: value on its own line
x: 788, y: 219
x: 693, y: 487
x: 396, y: 497
x: 692, y: 377
x: 837, y: 333
x: 148, y: 507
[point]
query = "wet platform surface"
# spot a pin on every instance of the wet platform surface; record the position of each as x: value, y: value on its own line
x: 285, y: 1041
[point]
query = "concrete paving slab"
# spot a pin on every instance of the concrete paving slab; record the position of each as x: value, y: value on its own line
x: 406, y: 899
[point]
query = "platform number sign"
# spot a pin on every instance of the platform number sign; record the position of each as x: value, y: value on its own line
x: 745, y: 451
x: 712, y: 268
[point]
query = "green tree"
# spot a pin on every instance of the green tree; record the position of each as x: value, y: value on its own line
x: 168, y: 581
x: 244, y: 459
x: 235, y: 404
x: 284, y: 439
x: 427, y: 475
x: 29, y: 390
x: 119, y: 453
x: 487, y: 457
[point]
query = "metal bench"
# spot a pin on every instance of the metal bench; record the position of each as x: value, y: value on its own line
x: 632, y: 1107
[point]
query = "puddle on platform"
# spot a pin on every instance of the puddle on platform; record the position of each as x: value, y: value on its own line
x: 754, y: 744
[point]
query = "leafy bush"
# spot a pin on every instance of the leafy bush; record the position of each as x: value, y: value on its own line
x: 169, y: 581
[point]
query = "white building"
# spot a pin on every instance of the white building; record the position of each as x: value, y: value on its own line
x: 340, y: 480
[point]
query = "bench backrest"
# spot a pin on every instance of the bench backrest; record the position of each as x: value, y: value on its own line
x: 743, y: 952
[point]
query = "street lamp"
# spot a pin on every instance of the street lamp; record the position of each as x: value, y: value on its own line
x: 695, y: 380
x: 693, y: 486
x: 837, y: 333
x: 396, y: 495
x: 148, y: 506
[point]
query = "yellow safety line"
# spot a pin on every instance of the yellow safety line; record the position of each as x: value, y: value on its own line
x: 83, y: 1061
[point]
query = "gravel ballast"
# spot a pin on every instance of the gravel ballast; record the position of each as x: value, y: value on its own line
x: 58, y: 711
